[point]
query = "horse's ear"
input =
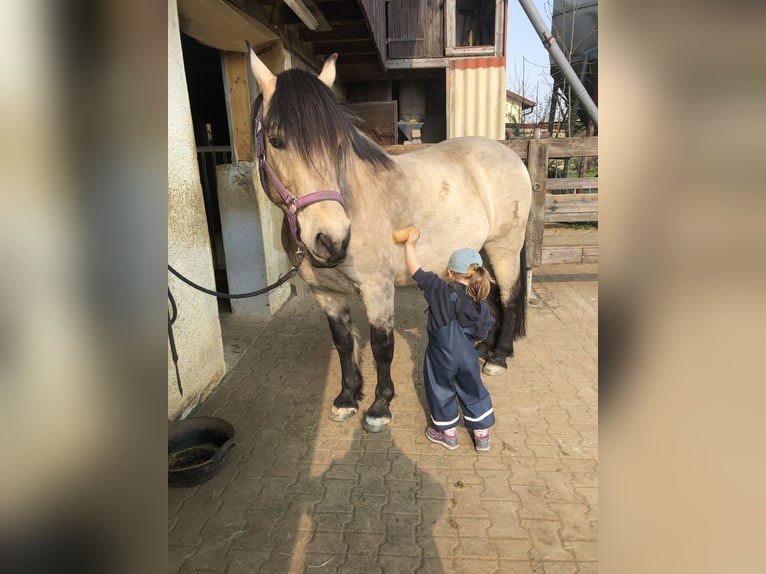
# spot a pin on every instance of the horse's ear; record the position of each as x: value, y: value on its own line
x: 266, y: 80
x: 327, y: 75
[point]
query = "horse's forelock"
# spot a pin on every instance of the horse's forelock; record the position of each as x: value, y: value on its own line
x: 304, y: 112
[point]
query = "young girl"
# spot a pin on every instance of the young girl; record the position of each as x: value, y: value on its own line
x: 458, y: 318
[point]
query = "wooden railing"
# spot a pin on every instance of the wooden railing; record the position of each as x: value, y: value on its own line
x: 559, y: 207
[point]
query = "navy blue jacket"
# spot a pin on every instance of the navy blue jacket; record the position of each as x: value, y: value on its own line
x: 475, y: 318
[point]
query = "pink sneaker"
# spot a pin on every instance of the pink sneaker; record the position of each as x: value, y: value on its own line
x: 481, y: 442
x: 446, y: 441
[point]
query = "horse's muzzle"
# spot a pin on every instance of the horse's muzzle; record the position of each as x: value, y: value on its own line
x: 327, y: 252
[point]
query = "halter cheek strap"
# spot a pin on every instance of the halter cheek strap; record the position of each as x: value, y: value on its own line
x: 291, y: 205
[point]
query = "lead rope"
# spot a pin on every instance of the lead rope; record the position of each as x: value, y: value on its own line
x: 173, y: 352
x: 173, y: 311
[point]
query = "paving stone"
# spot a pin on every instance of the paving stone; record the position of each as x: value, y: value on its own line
x: 519, y: 567
x: 514, y: 548
x: 328, y: 543
x: 546, y: 541
x: 365, y: 543
x: 177, y: 555
x: 561, y: 567
x: 472, y: 565
x: 401, y: 497
x: 582, y: 549
x: 399, y: 564
x: 246, y: 561
x: 357, y: 563
x: 331, y: 521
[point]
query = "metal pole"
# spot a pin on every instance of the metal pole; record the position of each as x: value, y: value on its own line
x: 558, y: 56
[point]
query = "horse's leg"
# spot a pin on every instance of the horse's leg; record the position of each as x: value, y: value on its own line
x: 379, y: 301
x: 510, y: 274
x: 486, y: 347
x: 346, y: 404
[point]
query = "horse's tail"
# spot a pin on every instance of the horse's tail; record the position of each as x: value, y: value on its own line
x: 520, y: 296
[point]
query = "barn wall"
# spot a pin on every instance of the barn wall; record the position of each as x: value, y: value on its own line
x: 375, y: 11
x: 197, y: 330
x: 476, y: 98
x: 415, y: 29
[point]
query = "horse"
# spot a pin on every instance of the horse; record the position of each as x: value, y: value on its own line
x: 342, y: 196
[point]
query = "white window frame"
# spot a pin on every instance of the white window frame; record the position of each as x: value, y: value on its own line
x: 449, y: 33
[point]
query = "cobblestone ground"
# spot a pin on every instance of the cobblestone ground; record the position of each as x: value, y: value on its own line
x: 300, y: 493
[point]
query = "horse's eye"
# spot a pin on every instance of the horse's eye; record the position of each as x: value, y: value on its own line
x: 276, y: 142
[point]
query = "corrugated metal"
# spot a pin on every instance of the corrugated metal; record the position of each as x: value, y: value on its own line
x: 476, y: 98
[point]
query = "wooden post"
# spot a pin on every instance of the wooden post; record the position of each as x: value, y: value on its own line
x: 238, y: 104
x: 537, y: 164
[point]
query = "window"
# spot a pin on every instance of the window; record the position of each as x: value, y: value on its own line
x: 474, y: 27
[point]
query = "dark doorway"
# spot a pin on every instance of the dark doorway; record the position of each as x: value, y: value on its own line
x: 204, y: 79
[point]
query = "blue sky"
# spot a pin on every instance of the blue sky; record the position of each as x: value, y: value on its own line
x: 526, y: 57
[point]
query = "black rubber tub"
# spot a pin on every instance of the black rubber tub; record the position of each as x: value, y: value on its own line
x: 197, y: 449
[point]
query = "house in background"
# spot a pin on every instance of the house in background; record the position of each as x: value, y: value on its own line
x: 516, y: 107
x: 439, y: 66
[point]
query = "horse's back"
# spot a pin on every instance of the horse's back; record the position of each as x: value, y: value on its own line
x: 461, y: 193
x: 487, y: 165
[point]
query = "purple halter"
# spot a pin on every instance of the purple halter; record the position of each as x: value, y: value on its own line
x: 291, y: 205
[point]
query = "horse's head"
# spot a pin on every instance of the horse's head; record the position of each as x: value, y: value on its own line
x: 303, y: 133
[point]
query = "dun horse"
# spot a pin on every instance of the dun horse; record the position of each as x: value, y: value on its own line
x: 342, y: 196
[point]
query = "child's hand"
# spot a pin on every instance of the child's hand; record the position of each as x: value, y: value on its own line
x: 412, y: 236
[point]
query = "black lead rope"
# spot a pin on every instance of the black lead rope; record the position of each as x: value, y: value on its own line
x: 172, y: 316
x: 293, y: 270
x: 173, y: 312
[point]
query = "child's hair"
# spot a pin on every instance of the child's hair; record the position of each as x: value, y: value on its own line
x: 479, y: 282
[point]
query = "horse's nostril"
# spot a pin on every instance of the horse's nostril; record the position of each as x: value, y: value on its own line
x: 326, y: 243
x: 328, y: 251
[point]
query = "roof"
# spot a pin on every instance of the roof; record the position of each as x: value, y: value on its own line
x: 525, y: 102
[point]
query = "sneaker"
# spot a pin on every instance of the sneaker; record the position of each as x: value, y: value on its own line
x: 446, y: 441
x: 481, y: 443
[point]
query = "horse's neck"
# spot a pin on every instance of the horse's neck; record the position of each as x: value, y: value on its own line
x: 370, y: 182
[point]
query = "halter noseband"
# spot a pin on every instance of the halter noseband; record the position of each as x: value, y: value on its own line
x: 291, y: 205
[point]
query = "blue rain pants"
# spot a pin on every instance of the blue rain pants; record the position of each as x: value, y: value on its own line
x: 452, y: 375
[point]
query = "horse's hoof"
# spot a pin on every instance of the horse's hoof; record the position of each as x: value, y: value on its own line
x: 341, y: 414
x: 492, y: 369
x: 375, y: 424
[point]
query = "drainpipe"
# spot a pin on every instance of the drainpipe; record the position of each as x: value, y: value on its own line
x: 558, y: 56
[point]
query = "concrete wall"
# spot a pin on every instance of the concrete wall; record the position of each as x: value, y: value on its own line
x: 197, y: 329
x: 252, y: 258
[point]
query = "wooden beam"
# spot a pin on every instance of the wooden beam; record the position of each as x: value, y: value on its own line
x: 572, y: 183
x: 237, y: 93
x: 558, y: 148
x: 342, y: 31
x: 571, y: 147
x: 520, y: 146
x: 537, y: 164
x: 412, y: 63
x: 570, y: 254
x: 571, y: 208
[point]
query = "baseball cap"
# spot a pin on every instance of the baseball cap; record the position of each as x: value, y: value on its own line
x: 460, y: 261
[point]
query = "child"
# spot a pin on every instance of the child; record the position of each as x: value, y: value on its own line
x: 458, y: 318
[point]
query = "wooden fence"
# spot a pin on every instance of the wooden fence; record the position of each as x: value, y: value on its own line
x: 550, y: 208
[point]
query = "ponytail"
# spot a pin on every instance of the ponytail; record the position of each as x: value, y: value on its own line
x: 479, y: 283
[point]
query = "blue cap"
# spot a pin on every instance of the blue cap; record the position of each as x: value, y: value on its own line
x: 460, y: 261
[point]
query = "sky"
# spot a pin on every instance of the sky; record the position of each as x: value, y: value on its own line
x: 527, y: 60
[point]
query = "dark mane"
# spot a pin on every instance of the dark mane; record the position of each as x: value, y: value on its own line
x: 305, y: 113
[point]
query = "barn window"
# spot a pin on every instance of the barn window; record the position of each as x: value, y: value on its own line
x: 474, y: 27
